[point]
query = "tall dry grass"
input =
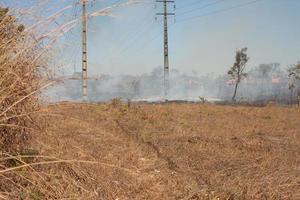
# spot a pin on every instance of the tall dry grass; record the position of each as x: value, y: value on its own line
x: 25, y: 59
x: 19, y: 84
x: 27, y: 53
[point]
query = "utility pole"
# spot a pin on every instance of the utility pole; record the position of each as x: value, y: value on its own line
x: 84, y: 52
x: 165, y: 15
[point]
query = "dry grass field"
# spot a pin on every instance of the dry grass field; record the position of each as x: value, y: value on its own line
x: 170, y: 151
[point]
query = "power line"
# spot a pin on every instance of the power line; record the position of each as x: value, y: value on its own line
x: 220, y: 11
x: 117, y: 1
x: 200, y: 8
x: 191, y: 4
x: 74, y: 52
x: 142, y: 23
x: 133, y: 37
x: 136, y: 37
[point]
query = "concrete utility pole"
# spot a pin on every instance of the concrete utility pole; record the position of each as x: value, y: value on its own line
x: 165, y: 14
x: 84, y: 52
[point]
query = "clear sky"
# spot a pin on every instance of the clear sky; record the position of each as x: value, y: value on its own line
x: 203, y: 38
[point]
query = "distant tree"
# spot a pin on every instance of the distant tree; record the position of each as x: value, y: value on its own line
x: 294, y: 72
x: 157, y: 72
x: 136, y: 87
x: 294, y: 76
x: 265, y: 74
x: 265, y: 70
x: 237, y: 71
x: 291, y: 88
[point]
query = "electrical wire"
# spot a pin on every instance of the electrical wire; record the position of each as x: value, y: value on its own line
x: 190, y: 4
x: 220, y: 11
x: 199, y: 8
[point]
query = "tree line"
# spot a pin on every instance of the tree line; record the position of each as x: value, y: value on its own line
x: 238, y: 72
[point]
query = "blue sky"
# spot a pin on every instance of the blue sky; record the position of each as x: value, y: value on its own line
x: 202, y: 40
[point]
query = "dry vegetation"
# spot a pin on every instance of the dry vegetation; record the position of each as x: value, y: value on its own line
x: 20, y: 85
x: 132, y: 151
x: 19, y: 81
x: 172, y: 151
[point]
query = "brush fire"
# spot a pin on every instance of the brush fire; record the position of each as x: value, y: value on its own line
x: 100, y: 101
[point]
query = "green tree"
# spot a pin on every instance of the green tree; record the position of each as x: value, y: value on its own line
x: 237, y: 71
